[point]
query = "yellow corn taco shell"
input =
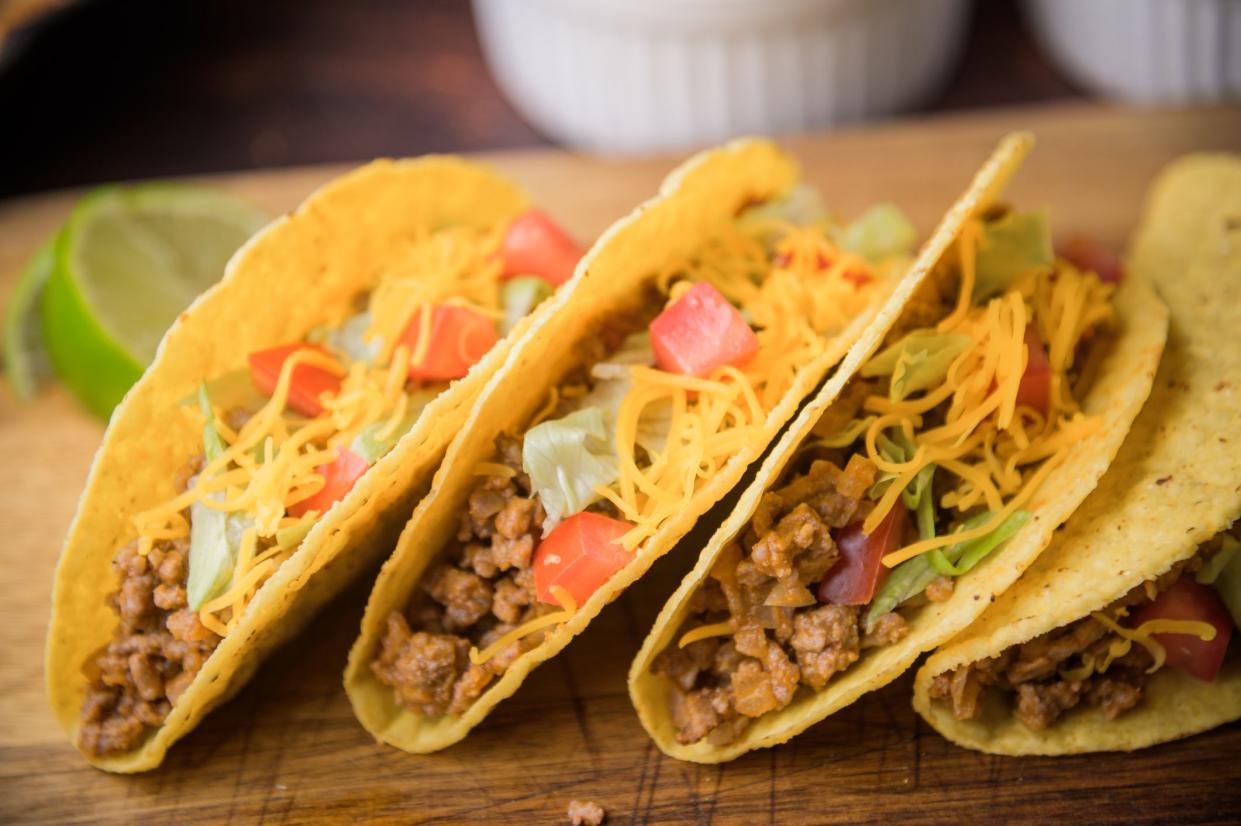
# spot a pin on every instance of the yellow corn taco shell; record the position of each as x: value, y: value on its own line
x: 1122, y: 387
x: 1175, y: 484
x: 281, y: 283
x: 694, y: 202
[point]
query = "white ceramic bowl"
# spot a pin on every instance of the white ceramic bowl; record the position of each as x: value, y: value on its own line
x: 642, y: 75
x: 1146, y: 51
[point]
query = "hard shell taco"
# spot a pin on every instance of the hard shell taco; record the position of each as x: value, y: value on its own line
x: 1119, y: 636
x: 289, y: 421
x: 922, y: 479
x: 695, y: 329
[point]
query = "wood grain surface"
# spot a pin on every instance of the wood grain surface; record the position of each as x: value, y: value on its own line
x: 287, y: 748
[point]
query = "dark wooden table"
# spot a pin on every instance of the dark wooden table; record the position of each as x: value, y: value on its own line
x: 120, y: 89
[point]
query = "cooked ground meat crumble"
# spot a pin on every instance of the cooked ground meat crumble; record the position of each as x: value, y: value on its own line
x: 157, y: 648
x: 1038, y: 673
x: 783, y: 637
x: 585, y: 813
x: 481, y: 591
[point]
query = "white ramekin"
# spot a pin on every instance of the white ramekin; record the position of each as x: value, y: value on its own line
x: 1146, y: 51
x: 643, y: 75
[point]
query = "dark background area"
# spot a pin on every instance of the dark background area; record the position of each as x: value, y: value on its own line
x: 119, y: 89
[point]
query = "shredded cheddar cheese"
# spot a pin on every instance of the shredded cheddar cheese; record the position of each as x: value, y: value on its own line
x: 716, y: 629
x: 273, y: 461
x: 456, y: 265
x: 998, y: 451
x: 796, y: 300
x: 1204, y: 631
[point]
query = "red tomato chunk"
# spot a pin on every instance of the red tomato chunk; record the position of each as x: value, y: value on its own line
x: 581, y: 554
x: 1035, y: 388
x: 308, y: 382
x: 339, y: 477
x: 459, y: 338
x: 699, y: 332
x: 856, y: 576
x: 1089, y: 255
x: 1190, y: 600
x: 535, y: 245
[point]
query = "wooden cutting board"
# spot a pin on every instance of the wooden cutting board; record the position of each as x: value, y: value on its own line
x: 287, y: 748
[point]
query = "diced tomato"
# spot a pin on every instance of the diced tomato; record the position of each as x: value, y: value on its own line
x: 1035, y: 388
x: 700, y: 332
x: 307, y: 385
x: 339, y: 477
x: 581, y: 554
x: 1086, y: 253
x: 1190, y: 600
x: 535, y: 245
x: 459, y: 338
x: 859, y: 571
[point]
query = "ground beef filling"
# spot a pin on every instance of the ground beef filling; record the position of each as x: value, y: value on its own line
x: 482, y: 590
x: 764, y: 583
x: 1038, y: 674
x: 157, y: 648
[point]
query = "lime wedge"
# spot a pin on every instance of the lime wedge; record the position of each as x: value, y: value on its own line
x: 126, y: 263
x: 26, y: 364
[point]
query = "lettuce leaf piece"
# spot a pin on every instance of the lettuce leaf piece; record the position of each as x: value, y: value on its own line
x: 349, y: 339
x: 519, y: 296
x: 612, y: 382
x: 567, y: 458
x: 844, y: 437
x: 369, y: 445
x: 213, y: 445
x: 879, y: 233
x: 910, y: 578
x: 919, y: 361
x: 802, y: 205
x: 215, y: 538
x: 233, y: 388
x: 962, y: 557
x: 1011, y: 245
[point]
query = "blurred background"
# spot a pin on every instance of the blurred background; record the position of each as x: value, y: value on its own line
x: 99, y: 90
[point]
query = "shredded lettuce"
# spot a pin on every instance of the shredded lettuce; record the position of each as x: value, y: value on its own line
x: 234, y: 388
x: 567, y: 458
x: 215, y: 537
x: 519, y: 296
x: 368, y: 444
x: 911, y: 577
x: 213, y: 445
x: 349, y: 339
x: 801, y: 205
x: 844, y: 437
x: 879, y: 233
x: 612, y: 381
x: 962, y: 557
x: 919, y: 361
x: 1014, y: 244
